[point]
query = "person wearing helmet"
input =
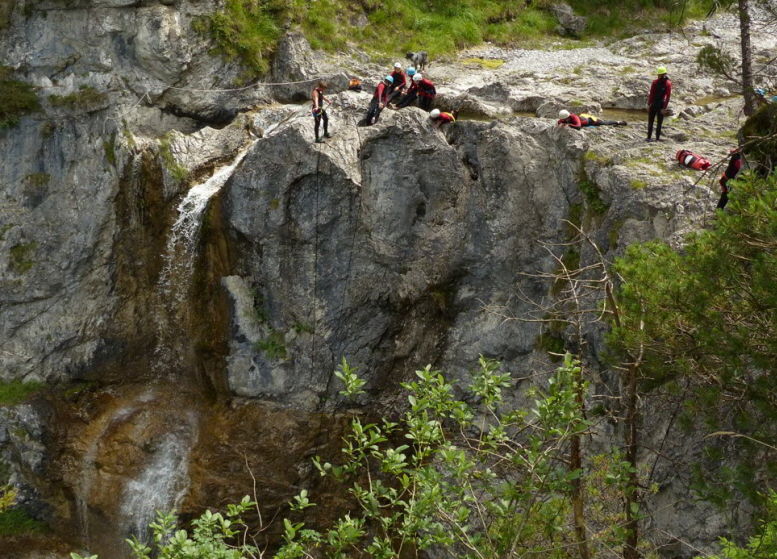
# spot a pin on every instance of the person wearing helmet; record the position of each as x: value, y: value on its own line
x: 579, y: 121
x: 658, y: 101
x: 319, y: 110
x: 426, y: 93
x: 440, y: 118
x: 411, y: 96
x: 398, y: 85
x: 379, y: 100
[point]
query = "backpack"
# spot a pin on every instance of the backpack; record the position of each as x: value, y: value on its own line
x: 691, y: 160
x: 355, y: 84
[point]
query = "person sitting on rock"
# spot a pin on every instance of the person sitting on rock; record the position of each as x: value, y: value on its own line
x: 411, y: 96
x: 440, y: 118
x: 379, y: 100
x: 734, y: 165
x: 658, y: 101
x: 426, y: 93
x: 577, y: 122
x: 398, y: 85
x: 319, y: 110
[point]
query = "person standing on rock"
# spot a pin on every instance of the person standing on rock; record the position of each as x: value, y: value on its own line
x: 658, y: 101
x: 398, y: 85
x: 319, y: 110
x: 734, y: 165
x: 379, y: 100
x: 426, y: 93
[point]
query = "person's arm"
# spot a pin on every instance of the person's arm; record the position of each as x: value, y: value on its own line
x: 575, y: 122
x: 652, y: 93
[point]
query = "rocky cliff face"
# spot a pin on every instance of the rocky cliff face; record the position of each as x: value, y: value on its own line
x: 206, y: 271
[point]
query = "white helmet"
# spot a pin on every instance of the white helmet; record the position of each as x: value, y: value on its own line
x: 397, y: 65
x: 435, y: 113
x: 417, y: 77
x: 563, y: 113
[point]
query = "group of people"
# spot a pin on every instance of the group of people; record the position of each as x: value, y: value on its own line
x: 658, y: 107
x: 403, y: 88
x: 400, y: 89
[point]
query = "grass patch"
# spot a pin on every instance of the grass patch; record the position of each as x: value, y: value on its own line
x: 84, y: 99
x: 109, y: 146
x: 16, y: 522
x: 273, y: 346
x: 591, y: 192
x: 614, y: 234
x: 598, y: 158
x: 4, y: 229
x: 637, y: 184
x: 21, y: 260
x: 302, y: 327
x: 38, y: 179
x: 618, y: 18
x: 15, y: 391
x: 176, y: 170
x: 16, y: 99
x: 485, y: 63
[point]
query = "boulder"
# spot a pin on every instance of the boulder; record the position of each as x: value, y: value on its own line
x: 569, y: 23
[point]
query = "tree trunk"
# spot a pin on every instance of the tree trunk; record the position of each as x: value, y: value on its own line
x: 747, y: 62
x: 631, y: 494
x: 576, y: 463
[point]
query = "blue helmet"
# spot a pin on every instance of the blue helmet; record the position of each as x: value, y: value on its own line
x: 389, y: 79
x: 410, y: 71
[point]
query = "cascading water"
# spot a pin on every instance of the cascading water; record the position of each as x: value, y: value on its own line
x: 176, y: 278
x: 163, y: 482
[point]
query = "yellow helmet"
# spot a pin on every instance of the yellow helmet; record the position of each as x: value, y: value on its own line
x: 661, y: 70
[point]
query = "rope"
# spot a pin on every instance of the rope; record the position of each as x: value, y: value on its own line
x: 315, y: 268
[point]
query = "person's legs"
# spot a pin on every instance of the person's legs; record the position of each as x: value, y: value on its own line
x: 426, y: 103
x: 394, y: 96
x: 659, y: 121
x: 723, y: 199
x: 317, y: 118
x: 407, y: 100
x: 371, y: 111
x: 651, y: 118
x: 326, y: 124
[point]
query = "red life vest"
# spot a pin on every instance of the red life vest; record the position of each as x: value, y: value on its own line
x: 688, y: 159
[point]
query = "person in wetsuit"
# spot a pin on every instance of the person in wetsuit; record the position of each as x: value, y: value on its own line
x: 658, y: 101
x: 734, y: 166
x: 319, y: 110
x: 398, y: 84
x: 379, y: 100
x: 577, y: 122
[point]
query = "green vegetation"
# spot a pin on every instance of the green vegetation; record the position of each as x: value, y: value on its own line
x: 637, y: 184
x: 487, y: 63
x: 761, y: 546
x: 84, y: 99
x: 176, y: 170
x: 591, y: 191
x: 38, y: 179
x: 15, y: 392
x: 707, y: 316
x: 616, y: 18
x: 302, y: 327
x: 109, y: 146
x: 16, y: 522
x: 20, y: 257
x: 4, y: 229
x: 16, y: 99
x: 273, y: 346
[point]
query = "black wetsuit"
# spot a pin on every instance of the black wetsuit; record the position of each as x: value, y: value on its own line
x: 321, y: 114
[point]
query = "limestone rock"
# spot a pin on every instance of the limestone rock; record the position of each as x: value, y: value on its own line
x: 569, y: 22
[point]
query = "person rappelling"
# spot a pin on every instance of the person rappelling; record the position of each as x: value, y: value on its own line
x: 658, y: 101
x: 319, y: 110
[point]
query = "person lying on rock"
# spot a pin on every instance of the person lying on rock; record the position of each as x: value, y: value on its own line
x: 658, y: 101
x: 565, y: 118
x: 398, y: 85
x: 734, y: 165
x: 379, y: 100
x: 439, y: 118
x: 319, y: 110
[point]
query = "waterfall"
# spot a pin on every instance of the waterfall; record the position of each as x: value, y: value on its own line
x: 176, y: 278
x: 163, y: 482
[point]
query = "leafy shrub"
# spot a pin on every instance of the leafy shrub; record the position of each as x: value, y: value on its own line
x: 16, y: 99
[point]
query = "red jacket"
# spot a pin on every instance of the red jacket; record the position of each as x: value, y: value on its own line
x: 573, y: 121
x: 734, y: 165
x: 657, y: 95
x: 399, y: 79
x: 381, y: 93
x: 446, y: 117
x: 426, y: 88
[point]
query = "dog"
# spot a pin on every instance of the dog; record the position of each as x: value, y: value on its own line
x: 419, y: 59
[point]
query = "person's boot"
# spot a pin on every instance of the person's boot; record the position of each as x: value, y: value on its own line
x: 319, y: 140
x: 327, y: 135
